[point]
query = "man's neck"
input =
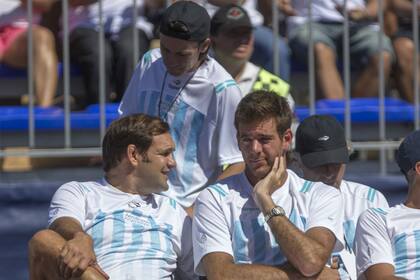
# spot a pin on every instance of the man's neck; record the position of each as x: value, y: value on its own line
x: 233, y: 67
x: 413, y: 197
x: 123, y: 181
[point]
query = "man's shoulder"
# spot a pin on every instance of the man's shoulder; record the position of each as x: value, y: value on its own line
x: 308, y: 188
x: 361, y: 192
x: 85, y: 187
x: 215, y: 75
x: 225, y: 188
x: 151, y: 58
x: 375, y: 215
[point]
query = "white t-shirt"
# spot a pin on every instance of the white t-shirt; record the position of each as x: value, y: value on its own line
x: 226, y: 218
x: 134, y: 237
x: 357, y: 198
x: 322, y: 10
x: 389, y: 236
x: 116, y: 14
x: 199, y: 108
x: 12, y: 13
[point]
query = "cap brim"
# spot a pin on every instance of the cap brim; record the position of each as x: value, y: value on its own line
x: 311, y: 160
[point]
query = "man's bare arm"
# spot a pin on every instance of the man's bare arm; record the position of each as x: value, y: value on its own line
x: 77, y: 253
x: 307, y: 252
x: 220, y: 265
x: 381, y: 271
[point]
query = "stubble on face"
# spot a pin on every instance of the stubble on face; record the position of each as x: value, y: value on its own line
x: 260, y: 144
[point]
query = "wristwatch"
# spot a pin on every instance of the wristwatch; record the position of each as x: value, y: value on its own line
x: 276, y: 211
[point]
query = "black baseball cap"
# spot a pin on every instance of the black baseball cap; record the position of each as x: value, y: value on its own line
x: 229, y: 17
x: 186, y: 20
x: 320, y: 140
x: 408, y: 153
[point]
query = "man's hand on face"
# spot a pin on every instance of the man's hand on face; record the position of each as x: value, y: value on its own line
x: 76, y: 255
x: 266, y: 186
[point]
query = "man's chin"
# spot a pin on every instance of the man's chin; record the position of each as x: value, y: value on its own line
x: 175, y: 72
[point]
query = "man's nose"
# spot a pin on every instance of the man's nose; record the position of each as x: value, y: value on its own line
x: 171, y: 162
x: 256, y: 146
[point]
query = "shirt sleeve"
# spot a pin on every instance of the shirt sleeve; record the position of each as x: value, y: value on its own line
x: 185, y: 265
x: 381, y: 201
x: 210, y: 229
x: 372, y: 245
x: 130, y: 102
x: 326, y: 210
x: 68, y: 201
x: 228, y: 145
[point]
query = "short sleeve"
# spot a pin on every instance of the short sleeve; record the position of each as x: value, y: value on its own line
x: 372, y: 245
x: 227, y: 144
x: 129, y: 104
x: 326, y: 210
x: 68, y: 201
x: 381, y: 201
x: 210, y: 228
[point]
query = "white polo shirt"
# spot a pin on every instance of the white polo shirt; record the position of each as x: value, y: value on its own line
x: 389, y: 236
x: 135, y: 237
x: 226, y: 218
x: 199, y: 107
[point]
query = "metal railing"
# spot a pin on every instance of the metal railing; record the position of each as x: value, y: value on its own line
x: 69, y: 150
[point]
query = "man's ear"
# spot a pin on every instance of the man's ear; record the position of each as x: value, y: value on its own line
x: 132, y: 155
x: 417, y: 168
x: 204, y: 46
x: 287, y: 139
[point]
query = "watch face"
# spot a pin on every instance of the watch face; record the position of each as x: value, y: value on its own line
x: 278, y: 211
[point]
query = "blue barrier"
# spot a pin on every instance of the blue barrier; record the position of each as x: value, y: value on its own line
x: 11, y: 72
x: 363, y: 110
x: 15, y: 118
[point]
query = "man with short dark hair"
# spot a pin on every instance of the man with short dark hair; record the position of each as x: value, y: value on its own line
x: 119, y: 224
x: 388, y: 239
x: 197, y: 97
x: 265, y: 223
x: 322, y: 146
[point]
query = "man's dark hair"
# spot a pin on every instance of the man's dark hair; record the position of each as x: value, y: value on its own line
x: 261, y: 105
x: 137, y: 129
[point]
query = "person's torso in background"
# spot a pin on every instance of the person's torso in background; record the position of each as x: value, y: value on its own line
x: 322, y: 10
x: 116, y: 14
x: 11, y: 13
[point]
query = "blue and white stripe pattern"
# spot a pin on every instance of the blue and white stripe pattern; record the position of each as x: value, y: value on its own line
x: 246, y: 236
x: 140, y: 240
x: 390, y: 236
x: 199, y: 108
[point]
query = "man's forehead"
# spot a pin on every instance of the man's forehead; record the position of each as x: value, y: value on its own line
x: 177, y: 45
x: 163, y: 141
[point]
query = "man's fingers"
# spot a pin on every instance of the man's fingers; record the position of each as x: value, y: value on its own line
x: 275, y: 165
x: 99, y: 269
